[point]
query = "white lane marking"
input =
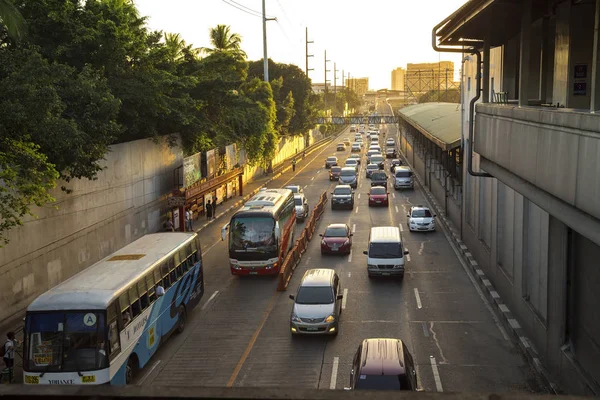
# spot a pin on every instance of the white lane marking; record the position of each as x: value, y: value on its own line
x: 207, y: 250
x: 334, y: 372
x: 393, y: 195
x: 350, y: 256
x: 401, y: 227
x: 312, y: 179
x: 356, y: 210
x: 305, y: 186
x: 209, y: 300
x: 149, y: 372
x: 349, y: 274
x: 419, y: 305
x: 408, y: 257
x: 396, y: 208
x: 353, y: 228
x: 359, y: 195
x: 436, y: 374
x: 307, y: 261
x: 318, y: 171
x: 345, y: 299
x: 421, y: 248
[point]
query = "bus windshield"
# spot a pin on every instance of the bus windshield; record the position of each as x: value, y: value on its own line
x: 66, y: 341
x: 253, y: 234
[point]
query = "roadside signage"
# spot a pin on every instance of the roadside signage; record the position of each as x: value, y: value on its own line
x: 176, y: 201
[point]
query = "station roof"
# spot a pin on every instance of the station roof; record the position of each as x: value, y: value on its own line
x: 439, y: 122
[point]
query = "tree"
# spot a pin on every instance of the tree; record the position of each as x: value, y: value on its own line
x: 12, y: 20
x: 223, y: 40
x: 26, y: 177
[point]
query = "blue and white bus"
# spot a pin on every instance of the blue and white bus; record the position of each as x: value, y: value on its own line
x: 103, y: 324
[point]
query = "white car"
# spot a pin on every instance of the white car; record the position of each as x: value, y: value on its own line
x: 301, y: 207
x: 421, y: 219
x: 356, y: 146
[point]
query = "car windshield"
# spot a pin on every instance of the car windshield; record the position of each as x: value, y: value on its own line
x: 385, y: 250
x: 332, y: 159
x: 378, y: 382
x: 336, y: 169
x: 378, y: 190
x: 348, y: 173
x: 342, y: 191
x: 314, y: 295
x: 372, y: 166
x: 421, y: 214
x: 68, y: 341
x: 377, y: 159
x: 403, y: 174
x: 351, y: 161
x: 252, y: 234
x: 336, y: 232
x: 294, y: 189
x: 298, y: 201
x: 379, y: 175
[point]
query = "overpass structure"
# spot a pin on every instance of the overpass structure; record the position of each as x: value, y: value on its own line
x: 359, y: 119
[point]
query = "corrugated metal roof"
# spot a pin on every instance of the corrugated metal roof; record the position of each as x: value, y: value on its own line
x: 439, y: 122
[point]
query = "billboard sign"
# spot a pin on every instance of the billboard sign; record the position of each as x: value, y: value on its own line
x: 191, y: 170
x: 211, y: 163
x: 231, y: 158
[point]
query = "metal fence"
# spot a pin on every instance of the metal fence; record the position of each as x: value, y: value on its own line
x: 293, y: 258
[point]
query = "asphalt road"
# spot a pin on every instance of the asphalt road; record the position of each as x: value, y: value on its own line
x: 239, y: 334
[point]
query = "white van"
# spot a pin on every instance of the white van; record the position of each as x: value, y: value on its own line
x: 385, y: 256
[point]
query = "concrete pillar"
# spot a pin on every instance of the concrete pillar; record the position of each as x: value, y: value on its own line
x: 241, y: 184
x: 562, y: 57
x: 544, y: 56
x: 486, y: 70
x: 525, y: 53
x: 595, y: 87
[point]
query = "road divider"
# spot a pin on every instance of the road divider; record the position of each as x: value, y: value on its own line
x: 292, y: 259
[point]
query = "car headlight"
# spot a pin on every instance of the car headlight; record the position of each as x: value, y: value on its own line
x: 331, y: 318
x: 371, y: 266
x: 295, y: 318
x: 323, y: 242
x: 397, y: 266
x: 346, y: 242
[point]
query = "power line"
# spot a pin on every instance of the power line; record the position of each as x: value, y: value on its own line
x: 253, y: 13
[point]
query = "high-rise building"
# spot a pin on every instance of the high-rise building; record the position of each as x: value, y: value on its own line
x: 398, y: 78
x: 359, y: 85
x: 425, y: 77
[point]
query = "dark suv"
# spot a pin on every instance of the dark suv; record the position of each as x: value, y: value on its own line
x: 379, y: 178
x: 383, y: 364
x: 342, y: 197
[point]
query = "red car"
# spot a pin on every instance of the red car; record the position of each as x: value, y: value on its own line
x: 378, y: 196
x: 337, y: 239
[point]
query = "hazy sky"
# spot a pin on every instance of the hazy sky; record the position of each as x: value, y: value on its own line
x: 368, y: 38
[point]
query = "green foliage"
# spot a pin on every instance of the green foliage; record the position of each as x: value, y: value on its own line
x: 26, y: 177
x: 224, y: 41
x: 11, y: 20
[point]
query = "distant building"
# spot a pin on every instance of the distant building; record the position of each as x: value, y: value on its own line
x: 398, y: 79
x: 319, y: 88
x: 359, y: 85
x: 425, y: 77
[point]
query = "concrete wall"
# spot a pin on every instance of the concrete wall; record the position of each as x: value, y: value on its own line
x: 98, y: 217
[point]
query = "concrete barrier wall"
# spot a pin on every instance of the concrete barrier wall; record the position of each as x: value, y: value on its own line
x: 98, y: 217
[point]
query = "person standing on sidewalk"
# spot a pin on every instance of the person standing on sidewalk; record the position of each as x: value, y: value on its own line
x: 191, y: 227
x: 209, y: 210
x: 294, y: 164
x: 8, y: 354
x: 214, y: 209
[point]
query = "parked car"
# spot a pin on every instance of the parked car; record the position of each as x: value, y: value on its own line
x: 420, y: 219
x: 370, y: 169
x: 342, y: 197
x: 349, y: 176
x: 379, y: 160
x: 394, y: 163
x: 356, y: 147
x: 317, y: 303
x: 334, y: 173
x: 403, y: 178
x: 378, y: 196
x: 355, y: 157
x: 301, y: 207
x: 331, y: 161
x: 383, y: 364
x: 379, y: 178
x: 337, y: 239
x: 341, y: 147
x: 295, y: 188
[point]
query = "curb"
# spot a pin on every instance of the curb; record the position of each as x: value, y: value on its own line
x: 509, y: 321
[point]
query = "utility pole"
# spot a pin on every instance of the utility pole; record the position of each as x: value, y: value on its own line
x: 308, y: 55
x: 343, y: 78
x: 335, y: 71
x: 264, y: 22
x: 326, y: 71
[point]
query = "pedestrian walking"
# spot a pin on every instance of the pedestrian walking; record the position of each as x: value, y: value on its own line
x: 8, y: 354
x: 214, y: 209
x: 209, y: 210
x: 191, y: 220
x: 294, y: 164
x: 169, y: 227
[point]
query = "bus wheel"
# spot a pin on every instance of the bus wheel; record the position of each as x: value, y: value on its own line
x: 130, y: 371
x: 181, y: 320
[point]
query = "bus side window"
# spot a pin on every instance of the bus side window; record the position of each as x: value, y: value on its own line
x: 199, y: 247
x: 164, y: 269
x: 135, y: 302
x: 114, y: 345
x: 125, y: 312
x: 150, y: 284
x: 143, y: 291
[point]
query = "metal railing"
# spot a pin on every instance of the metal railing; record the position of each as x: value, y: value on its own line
x: 292, y: 259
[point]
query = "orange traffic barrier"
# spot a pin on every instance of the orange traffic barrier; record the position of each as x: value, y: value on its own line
x: 292, y: 259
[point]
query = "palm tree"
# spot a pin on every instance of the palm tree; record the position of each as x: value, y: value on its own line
x: 178, y: 47
x: 224, y: 41
x: 12, y: 19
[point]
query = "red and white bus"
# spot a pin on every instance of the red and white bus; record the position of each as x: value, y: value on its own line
x: 261, y: 233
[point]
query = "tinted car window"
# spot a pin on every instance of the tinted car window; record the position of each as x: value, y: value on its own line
x: 314, y: 295
x: 421, y: 214
x: 336, y: 169
x: 348, y: 173
x: 331, y: 159
x: 403, y: 174
x: 298, y: 201
x: 378, y: 175
x: 378, y: 382
x: 385, y: 250
x: 335, y: 232
x: 377, y: 159
x: 378, y: 190
x: 372, y: 167
x: 342, y: 191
